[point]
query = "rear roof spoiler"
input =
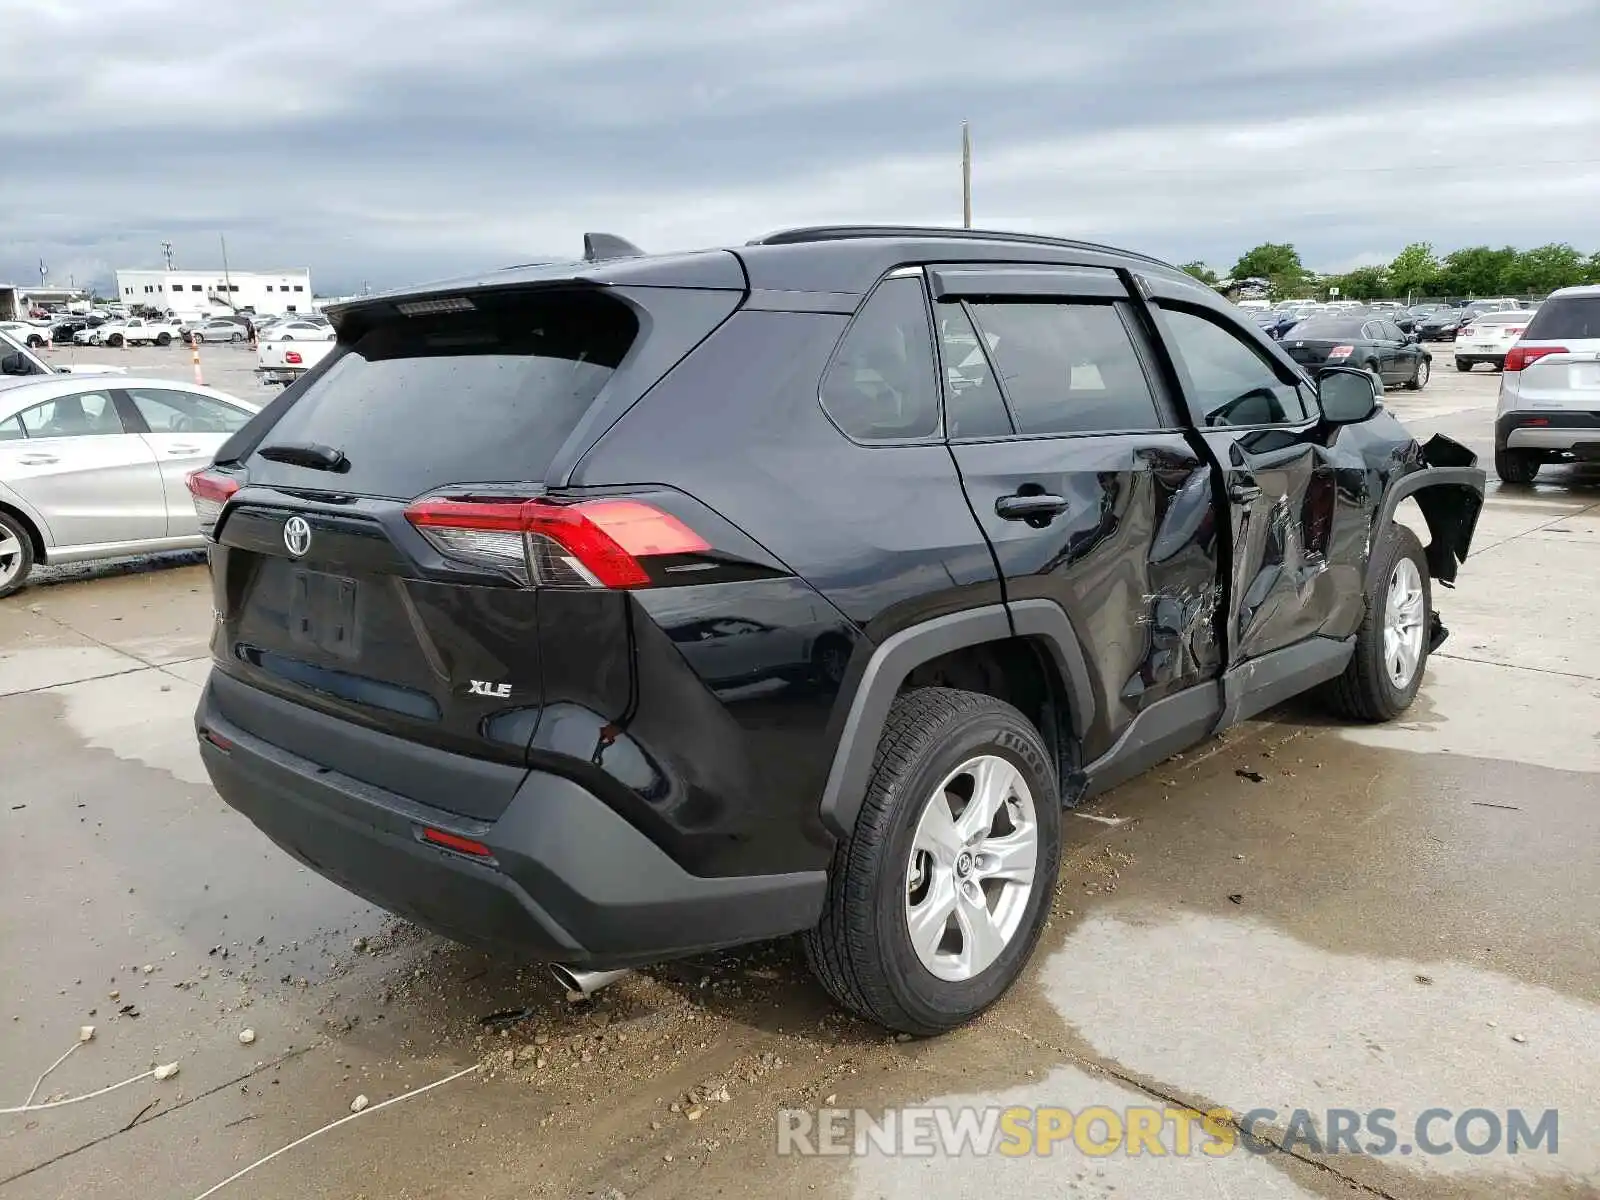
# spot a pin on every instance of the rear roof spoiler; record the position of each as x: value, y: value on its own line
x: 597, y: 247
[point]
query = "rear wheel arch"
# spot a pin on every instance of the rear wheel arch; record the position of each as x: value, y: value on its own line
x: 1029, y: 658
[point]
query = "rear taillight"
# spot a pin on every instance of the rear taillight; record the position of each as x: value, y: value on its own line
x: 293, y: 358
x: 1514, y: 329
x: 1521, y: 356
x: 1468, y: 330
x: 211, y: 492
x: 1341, y: 352
x: 594, y: 543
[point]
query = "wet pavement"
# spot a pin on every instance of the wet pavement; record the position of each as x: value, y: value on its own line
x: 1397, y: 917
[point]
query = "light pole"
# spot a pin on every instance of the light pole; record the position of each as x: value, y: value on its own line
x: 966, y: 176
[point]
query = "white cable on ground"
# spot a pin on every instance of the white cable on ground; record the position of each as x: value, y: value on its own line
x: 76, y: 1099
x: 366, y: 1112
x: 40, y: 1081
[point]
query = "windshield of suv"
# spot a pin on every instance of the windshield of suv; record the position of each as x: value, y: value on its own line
x: 472, y: 397
x: 1575, y: 318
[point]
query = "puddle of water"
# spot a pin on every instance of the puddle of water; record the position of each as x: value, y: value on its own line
x: 1532, y: 717
x: 145, y: 717
x: 1248, y: 1017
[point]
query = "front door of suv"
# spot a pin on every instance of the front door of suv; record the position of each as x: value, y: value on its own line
x: 1076, y: 465
x: 1291, y: 573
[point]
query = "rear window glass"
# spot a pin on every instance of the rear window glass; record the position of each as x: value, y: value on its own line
x: 1570, y: 317
x: 1329, y: 327
x: 1501, y: 318
x: 474, y: 397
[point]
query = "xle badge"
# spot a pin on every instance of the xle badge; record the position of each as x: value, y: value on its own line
x: 479, y: 687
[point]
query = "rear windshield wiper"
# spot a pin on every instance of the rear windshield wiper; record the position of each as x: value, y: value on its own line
x: 306, y: 454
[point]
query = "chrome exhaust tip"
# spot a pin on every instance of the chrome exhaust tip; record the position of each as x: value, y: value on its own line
x: 585, y: 983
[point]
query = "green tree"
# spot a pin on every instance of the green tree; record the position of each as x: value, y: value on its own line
x: 1591, y: 270
x: 1201, y: 272
x: 1278, y: 263
x: 1364, y: 283
x: 1476, y: 271
x: 1414, y: 271
x: 1545, y: 268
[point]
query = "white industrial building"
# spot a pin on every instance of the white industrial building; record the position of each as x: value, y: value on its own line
x: 200, y: 292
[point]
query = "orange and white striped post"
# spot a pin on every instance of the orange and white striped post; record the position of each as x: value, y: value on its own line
x: 194, y: 348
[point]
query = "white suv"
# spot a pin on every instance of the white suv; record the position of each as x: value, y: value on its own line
x: 1550, y: 393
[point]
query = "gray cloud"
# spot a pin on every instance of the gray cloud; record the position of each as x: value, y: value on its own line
x: 395, y: 140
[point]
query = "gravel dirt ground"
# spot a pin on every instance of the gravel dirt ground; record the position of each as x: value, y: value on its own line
x: 1402, y: 916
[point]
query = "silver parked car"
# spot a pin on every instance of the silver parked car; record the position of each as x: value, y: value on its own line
x: 98, y: 467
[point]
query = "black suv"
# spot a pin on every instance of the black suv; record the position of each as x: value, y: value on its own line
x: 628, y: 608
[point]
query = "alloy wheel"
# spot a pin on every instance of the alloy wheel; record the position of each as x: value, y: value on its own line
x: 1403, y: 624
x: 971, y: 869
x: 10, y: 556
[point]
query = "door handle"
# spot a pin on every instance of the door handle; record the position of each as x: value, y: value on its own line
x: 1243, y: 493
x: 175, y: 450
x: 38, y: 460
x: 1040, y: 507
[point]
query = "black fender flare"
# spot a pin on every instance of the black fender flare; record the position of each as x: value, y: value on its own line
x: 897, y: 656
x: 1450, y: 525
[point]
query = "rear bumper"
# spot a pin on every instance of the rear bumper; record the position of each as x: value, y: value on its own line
x: 1573, y: 432
x: 567, y: 879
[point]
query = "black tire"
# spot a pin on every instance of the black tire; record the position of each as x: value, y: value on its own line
x: 10, y: 527
x: 1516, y: 467
x: 163, y: 339
x: 1377, y: 375
x: 114, y: 341
x: 236, y: 338
x: 1463, y: 365
x: 861, y: 950
x: 1420, y: 377
x: 35, y: 342
x: 1365, y: 692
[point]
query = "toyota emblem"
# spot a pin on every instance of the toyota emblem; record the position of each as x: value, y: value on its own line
x: 297, y: 535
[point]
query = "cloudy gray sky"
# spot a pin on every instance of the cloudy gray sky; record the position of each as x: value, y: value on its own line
x: 390, y: 141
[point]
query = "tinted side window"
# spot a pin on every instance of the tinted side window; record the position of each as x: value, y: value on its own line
x: 973, y: 406
x: 11, y: 431
x: 1576, y: 317
x: 1229, y: 379
x: 1067, y: 368
x: 86, y: 414
x: 882, y: 386
x: 186, y: 412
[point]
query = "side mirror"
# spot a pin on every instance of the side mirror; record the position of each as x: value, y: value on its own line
x: 14, y: 364
x: 1347, y: 396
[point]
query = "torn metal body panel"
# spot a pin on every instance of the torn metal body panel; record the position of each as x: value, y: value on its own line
x: 1138, y: 536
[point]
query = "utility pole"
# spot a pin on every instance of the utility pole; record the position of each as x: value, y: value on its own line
x: 227, y: 281
x: 966, y: 176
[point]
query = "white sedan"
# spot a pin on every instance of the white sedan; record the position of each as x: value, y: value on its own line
x: 1487, y: 337
x: 94, y: 469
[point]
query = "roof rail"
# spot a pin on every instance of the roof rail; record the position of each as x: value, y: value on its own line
x: 835, y: 233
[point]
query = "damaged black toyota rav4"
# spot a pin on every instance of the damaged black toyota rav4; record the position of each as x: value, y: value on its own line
x: 619, y: 610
